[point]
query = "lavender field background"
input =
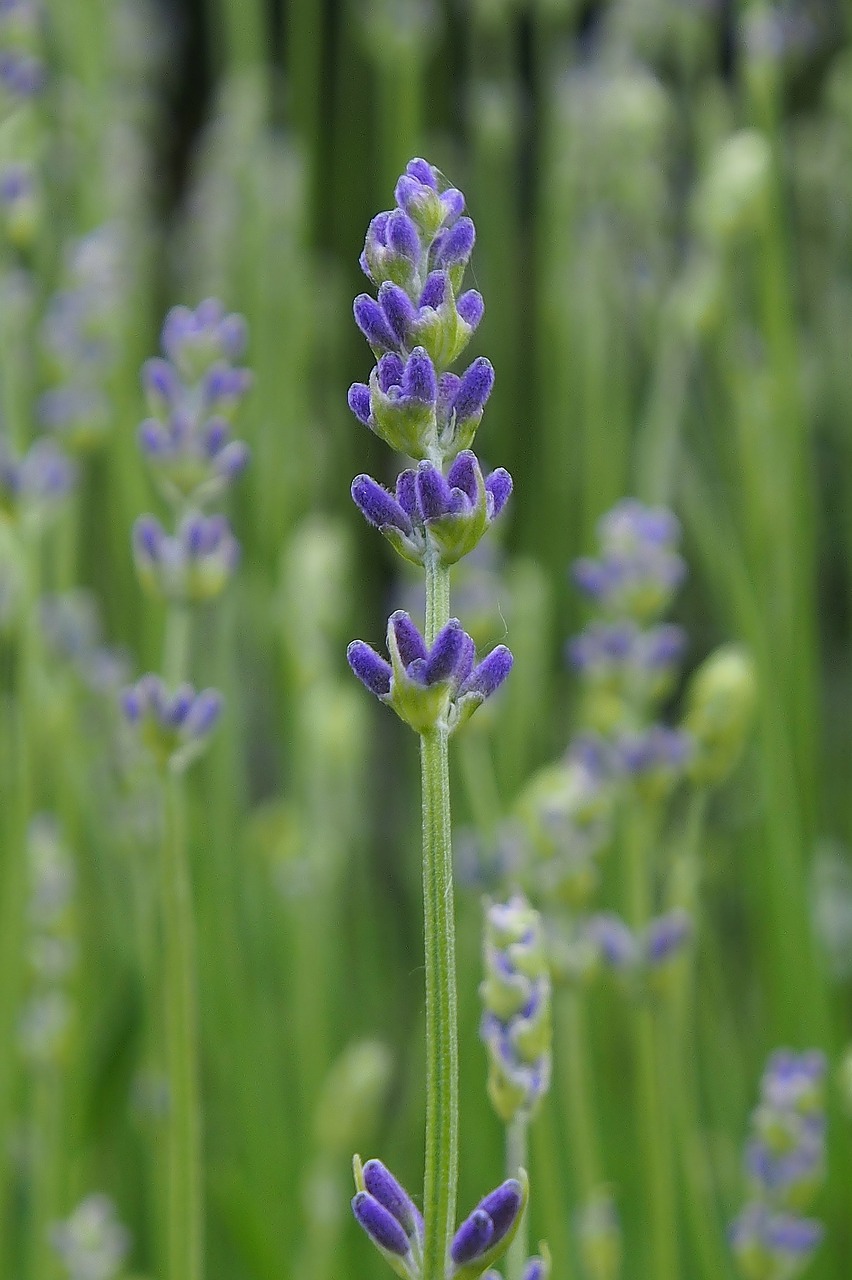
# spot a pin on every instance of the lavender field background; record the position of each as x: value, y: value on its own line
x: 211, y: 926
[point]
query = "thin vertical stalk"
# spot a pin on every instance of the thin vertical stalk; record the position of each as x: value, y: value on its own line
x: 176, y: 646
x: 442, y: 1068
x: 517, y: 1132
x: 655, y: 1143
x: 572, y: 1058
x: 185, y: 1208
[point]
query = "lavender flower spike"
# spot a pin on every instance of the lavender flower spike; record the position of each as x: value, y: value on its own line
x: 173, y: 725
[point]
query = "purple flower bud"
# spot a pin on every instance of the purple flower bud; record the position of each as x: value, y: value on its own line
x: 490, y: 674
x: 411, y: 645
x: 474, y: 390
x: 401, y: 236
x: 148, y: 537
x: 454, y: 246
x: 666, y: 935
x: 452, y: 203
x: 499, y: 485
x: 406, y: 491
x: 383, y: 1186
x: 502, y: 1206
x: 419, y: 381
x: 472, y: 1238
x: 398, y: 310
x: 471, y: 308
x: 380, y: 1225
x: 378, y: 506
x: 446, y: 653
x: 359, y: 401
x: 371, y: 320
x: 465, y: 474
x: 613, y: 938
x: 160, y: 379
x: 203, y: 714
x: 434, y: 497
x: 423, y: 171
x: 389, y: 372
x: 370, y: 668
x: 435, y: 290
x: 534, y: 1270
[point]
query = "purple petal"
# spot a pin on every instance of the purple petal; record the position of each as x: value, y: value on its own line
x: 409, y: 641
x: 203, y: 713
x: 434, y: 497
x: 160, y: 379
x: 359, y: 401
x: 370, y: 668
x: 534, y: 1270
x: 452, y: 203
x: 465, y: 474
x: 398, y: 309
x: 448, y: 389
x: 472, y: 1238
x: 419, y: 381
x: 475, y: 389
x: 446, y: 653
x: 466, y: 660
x: 371, y: 320
x: 490, y: 674
x: 471, y: 307
x: 499, y: 485
x: 383, y: 1186
x: 377, y: 506
x: 389, y: 372
x: 381, y: 1226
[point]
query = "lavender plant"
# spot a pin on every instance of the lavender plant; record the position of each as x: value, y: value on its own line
x: 771, y: 1239
x: 192, y: 392
x: 416, y: 255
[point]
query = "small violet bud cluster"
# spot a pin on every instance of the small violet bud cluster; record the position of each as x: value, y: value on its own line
x: 395, y: 1225
x: 91, y: 1244
x: 194, y: 391
x: 193, y: 394
x: 46, y: 1015
x: 78, y: 340
x: 34, y: 485
x: 516, y: 1022
x: 420, y: 322
x: 22, y: 70
x: 645, y: 956
x: 626, y: 658
x: 785, y: 1165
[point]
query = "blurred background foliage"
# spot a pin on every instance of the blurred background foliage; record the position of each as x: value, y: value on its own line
x: 663, y: 198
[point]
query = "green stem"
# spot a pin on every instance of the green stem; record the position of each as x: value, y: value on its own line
x: 577, y: 1091
x: 176, y: 648
x: 516, y: 1158
x: 185, y: 1208
x: 441, y: 1173
x: 655, y: 1143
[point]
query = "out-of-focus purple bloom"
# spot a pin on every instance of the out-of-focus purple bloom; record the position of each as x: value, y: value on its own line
x: 639, y: 569
x: 427, y: 686
x: 666, y: 936
x: 91, y: 1244
x: 33, y: 487
x: 774, y: 1244
x: 173, y: 724
x: 22, y: 70
x: 192, y: 395
x: 614, y: 940
x: 193, y: 565
x: 653, y: 758
x: 516, y: 1025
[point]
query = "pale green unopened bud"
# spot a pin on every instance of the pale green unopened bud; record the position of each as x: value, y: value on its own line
x: 599, y: 1233
x: 516, y: 1025
x: 720, y: 708
x: 735, y: 186
x: 352, y: 1095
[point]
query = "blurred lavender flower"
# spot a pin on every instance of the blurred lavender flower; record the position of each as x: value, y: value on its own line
x: 33, y: 487
x: 72, y: 630
x: 785, y: 1165
x: 516, y: 1025
x: 193, y: 393
x: 639, y: 568
x: 18, y: 202
x: 654, y: 759
x: 173, y: 726
x: 647, y: 955
x: 79, y: 340
x: 194, y: 565
x: 91, y: 1244
x: 22, y: 70
x: 425, y: 686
